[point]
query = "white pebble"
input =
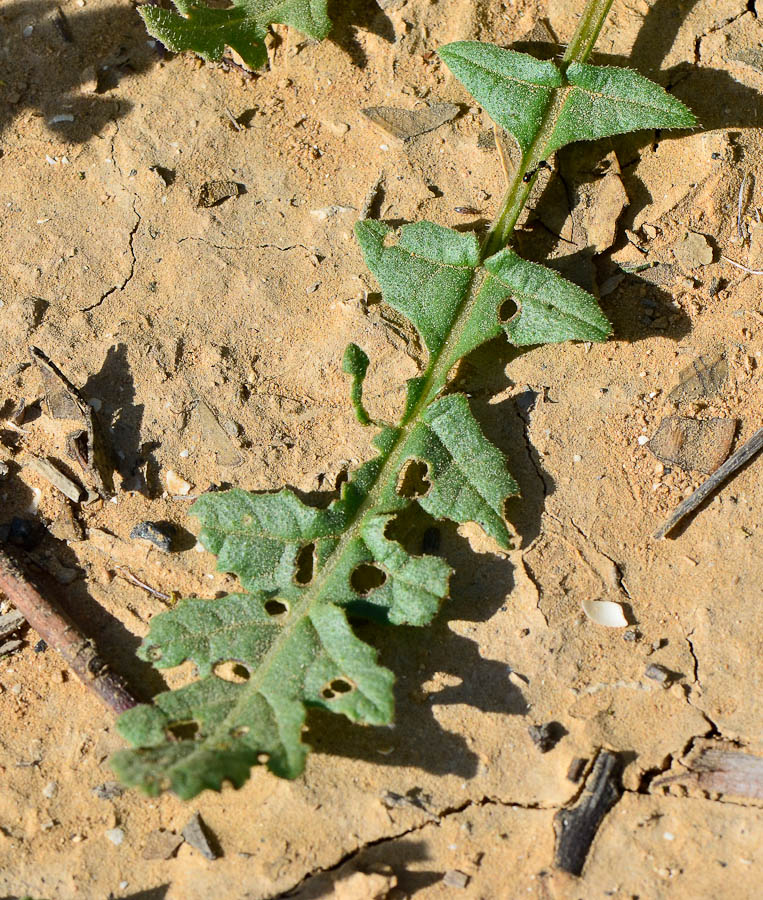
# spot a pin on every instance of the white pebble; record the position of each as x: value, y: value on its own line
x: 643, y: 439
x: 27, y: 32
x: 115, y: 835
x: 50, y: 790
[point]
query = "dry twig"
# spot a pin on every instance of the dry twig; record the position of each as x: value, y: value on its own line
x: 59, y: 632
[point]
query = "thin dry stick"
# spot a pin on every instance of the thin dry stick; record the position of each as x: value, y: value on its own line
x: 735, y: 462
x: 60, y: 633
x: 740, y: 266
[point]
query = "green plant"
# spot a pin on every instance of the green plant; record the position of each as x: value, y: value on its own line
x: 242, y: 26
x: 285, y: 643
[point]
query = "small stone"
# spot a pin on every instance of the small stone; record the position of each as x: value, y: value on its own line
x: 160, y: 534
x: 115, y: 835
x: 545, y: 736
x: 50, y: 790
x: 108, y: 790
x: 161, y: 844
x: 658, y: 673
x: 176, y: 484
x: 196, y: 835
x: 695, y: 250
x: 456, y: 879
x: 630, y: 635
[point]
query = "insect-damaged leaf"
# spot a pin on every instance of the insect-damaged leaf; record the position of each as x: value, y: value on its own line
x: 593, y: 101
x: 425, y: 274
x: 468, y: 474
x: 222, y: 727
x: 242, y: 26
x: 428, y: 273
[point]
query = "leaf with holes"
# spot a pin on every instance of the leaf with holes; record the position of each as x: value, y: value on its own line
x: 266, y: 656
x: 242, y: 26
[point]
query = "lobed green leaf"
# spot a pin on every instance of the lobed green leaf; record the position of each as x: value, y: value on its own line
x: 243, y: 26
x: 593, y: 101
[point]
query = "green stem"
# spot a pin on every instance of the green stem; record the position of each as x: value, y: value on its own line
x: 515, y: 198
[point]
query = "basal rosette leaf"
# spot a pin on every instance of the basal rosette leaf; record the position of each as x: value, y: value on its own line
x: 592, y: 101
x: 242, y: 26
x: 216, y: 729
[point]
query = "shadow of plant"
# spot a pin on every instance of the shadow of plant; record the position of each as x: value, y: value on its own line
x: 69, y: 66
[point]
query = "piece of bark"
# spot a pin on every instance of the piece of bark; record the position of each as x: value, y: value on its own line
x: 60, y: 633
x: 720, y: 768
x: 576, y: 826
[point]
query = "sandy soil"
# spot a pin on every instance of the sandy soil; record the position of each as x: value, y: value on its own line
x: 159, y: 311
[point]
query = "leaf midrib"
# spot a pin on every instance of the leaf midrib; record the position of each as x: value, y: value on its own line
x: 434, y: 379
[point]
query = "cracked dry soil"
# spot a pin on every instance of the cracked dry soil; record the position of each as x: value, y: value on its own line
x: 167, y: 314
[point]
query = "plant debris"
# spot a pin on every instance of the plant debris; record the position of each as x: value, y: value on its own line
x: 732, y: 465
x: 704, y: 377
x: 405, y: 124
x: 693, y: 444
x: 576, y: 826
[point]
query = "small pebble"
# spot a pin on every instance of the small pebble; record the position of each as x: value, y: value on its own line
x: 160, y: 534
x: 176, y: 484
x: 196, y: 835
x: 108, y: 790
x: 27, y: 32
x: 630, y: 635
x: 643, y: 439
x: 456, y: 879
x: 658, y: 673
x: 50, y: 790
x: 115, y: 835
x: 544, y: 736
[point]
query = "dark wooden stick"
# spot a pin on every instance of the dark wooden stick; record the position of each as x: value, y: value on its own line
x: 732, y: 465
x: 576, y: 826
x: 59, y: 632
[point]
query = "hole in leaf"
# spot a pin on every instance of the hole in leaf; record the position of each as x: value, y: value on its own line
x: 183, y: 731
x: 507, y: 310
x: 239, y: 731
x: 337, y: 687
x: 232, y: 670
x: 154, y: 654
x: 342, y: 478
x: 413, y: 479
x: 305, y: 564
x: 367, y: 578
x: 431, y: 541
x: 276, y: 608
x: 390, y: 239
x: 263, y: 758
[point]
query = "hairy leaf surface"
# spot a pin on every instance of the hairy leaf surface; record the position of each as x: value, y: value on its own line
x: 266, y: 655
x: 242, y: 26
x: 594, y: 101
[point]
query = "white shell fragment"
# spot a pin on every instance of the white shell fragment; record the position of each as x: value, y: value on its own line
x: 605, y: 612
